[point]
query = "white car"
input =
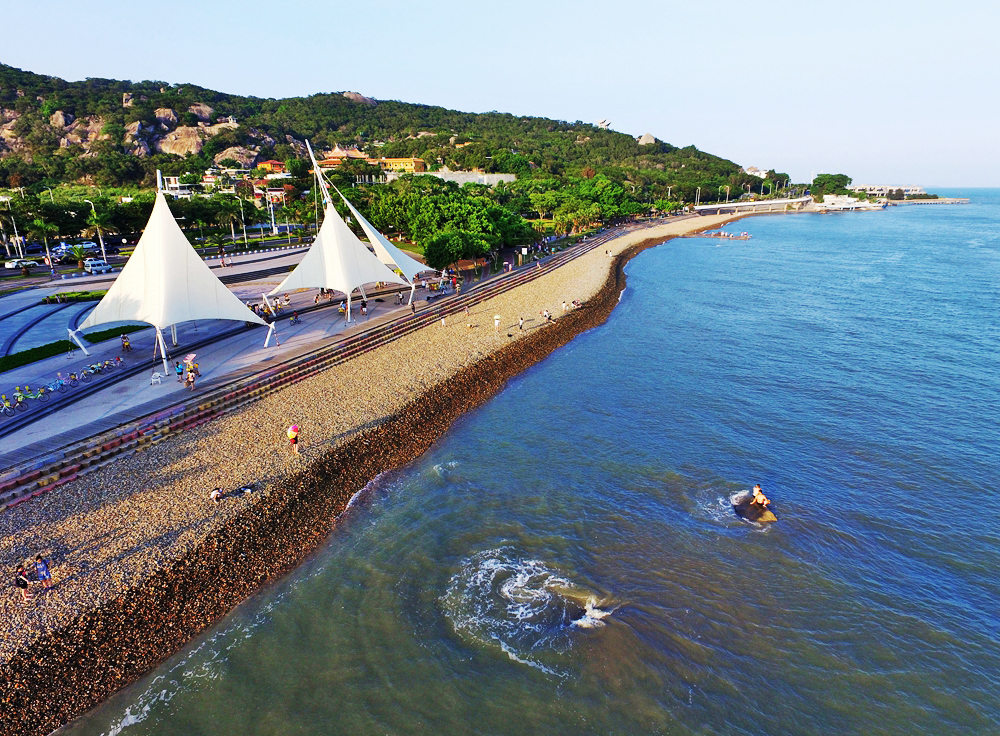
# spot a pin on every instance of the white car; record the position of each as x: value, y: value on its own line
x: 96, y: 265
x: 20, y: 263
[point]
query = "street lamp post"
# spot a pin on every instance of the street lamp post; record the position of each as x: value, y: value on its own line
x: 243, y: 222
x: 697, y: 197
x: 100, y: 236
x: 727, y: 194
x: 17, y: 238
x: 270, y: 208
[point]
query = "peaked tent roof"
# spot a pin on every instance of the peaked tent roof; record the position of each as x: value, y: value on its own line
x: 337, y: 260
x: 388, y: 253
x: 165, y: 282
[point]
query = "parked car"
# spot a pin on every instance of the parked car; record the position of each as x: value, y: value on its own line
x: 20, y: 263
x: 96, y: 265
x: 34, y: 248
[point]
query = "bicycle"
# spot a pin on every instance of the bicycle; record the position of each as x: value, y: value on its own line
x: 85, y: 374
x: 21, y: 397
x: 6, y: 406
x: 57, y: 385
x: 73, y: 380
x: 41, y: 394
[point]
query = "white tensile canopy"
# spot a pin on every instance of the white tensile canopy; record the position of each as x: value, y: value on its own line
x: 388, y: 253
x: 337, y: 260
x: 165, y: 282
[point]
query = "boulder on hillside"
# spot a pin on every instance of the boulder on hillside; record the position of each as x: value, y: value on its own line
x: 246, y: 157
x: 165, y: 116
x: 360, y: 99
x: 298, y: 146
x: 202, y: 111
x: 60, y: 119
x: 182, y: 141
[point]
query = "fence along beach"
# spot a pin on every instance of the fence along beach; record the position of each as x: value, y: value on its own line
x: 144, y: 560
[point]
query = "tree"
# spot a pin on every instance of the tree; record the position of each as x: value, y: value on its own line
x: 451, y: 246
x: 39, y: 228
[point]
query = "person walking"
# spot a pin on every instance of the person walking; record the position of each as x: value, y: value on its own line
x: 293, y: 438
x: 21, y: 581
x: 43, y: 572
x: 190, y: 379
x: 179, y: 370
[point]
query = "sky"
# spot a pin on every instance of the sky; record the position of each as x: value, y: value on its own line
x: 893, y: 92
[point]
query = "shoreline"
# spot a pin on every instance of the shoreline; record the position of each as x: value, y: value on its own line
x: 111, y: 643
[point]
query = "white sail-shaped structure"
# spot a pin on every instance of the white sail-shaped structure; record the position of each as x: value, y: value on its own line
x: 388, y: 253
x: 165, y: 282
x: 337, y: 258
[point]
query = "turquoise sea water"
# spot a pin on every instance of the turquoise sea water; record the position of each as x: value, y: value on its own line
x: 566, y: 559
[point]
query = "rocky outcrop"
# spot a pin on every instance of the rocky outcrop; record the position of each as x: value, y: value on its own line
x: 136, y: 137
x: 60, y: 119
x: 246, y: 157
x: 360, y: 99
x: 181, y: 141
x: 213, y: 130
x: 298, y: 146
x: 166, y: 117
x: 202, y: 111
x: 84, y: 132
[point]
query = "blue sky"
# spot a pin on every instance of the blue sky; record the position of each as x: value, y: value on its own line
x: 889, y: 93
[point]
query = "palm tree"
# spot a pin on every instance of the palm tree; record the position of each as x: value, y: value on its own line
x: 41, y: 229
x: 99, y: 223
x: 79, y: 253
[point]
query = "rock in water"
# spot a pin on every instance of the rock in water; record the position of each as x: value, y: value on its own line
x: 746, y: 509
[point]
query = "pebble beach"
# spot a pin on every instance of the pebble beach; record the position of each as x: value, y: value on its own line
x: 143, y: 560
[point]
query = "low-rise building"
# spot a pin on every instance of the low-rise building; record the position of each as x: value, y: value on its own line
x: 272, y: 167
x: 884, y: 191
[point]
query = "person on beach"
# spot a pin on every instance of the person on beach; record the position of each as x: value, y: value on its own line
x: 496, y: 323
x: 564, y: 306
x: 179, y: 370
x: 293, y: 438
x: 21, y: 581
x: 520, y: 323
x: 214, y: 495
x: 42, y: 571
x: 759, y: 498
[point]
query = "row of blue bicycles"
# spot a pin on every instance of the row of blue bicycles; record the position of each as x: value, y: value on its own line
x: 22, y: 397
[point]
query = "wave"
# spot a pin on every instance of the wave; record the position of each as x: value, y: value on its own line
x: 520, y: 606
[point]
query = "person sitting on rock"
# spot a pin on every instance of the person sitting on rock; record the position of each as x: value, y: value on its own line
x: 759, y: 498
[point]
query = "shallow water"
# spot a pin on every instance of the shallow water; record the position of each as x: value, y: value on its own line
x: 566, y: 559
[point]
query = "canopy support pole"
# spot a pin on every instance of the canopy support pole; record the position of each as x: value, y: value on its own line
x: 75, y: 337
x: 173, y: 335
x: 348, y: 315
x: 163, y: 350
x: 272, y: 330
x: 413, y: 289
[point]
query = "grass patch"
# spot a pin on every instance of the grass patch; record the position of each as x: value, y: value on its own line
x: 61, y: 347
x: 102, y: 335
x: 76, y: 296
x: 16, y: 360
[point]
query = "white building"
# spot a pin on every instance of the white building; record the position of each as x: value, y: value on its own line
x: 883, y: 191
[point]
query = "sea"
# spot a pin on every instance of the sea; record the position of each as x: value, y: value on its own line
x: 567, y: 560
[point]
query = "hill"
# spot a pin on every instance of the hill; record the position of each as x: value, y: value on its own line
x: 116, y: 133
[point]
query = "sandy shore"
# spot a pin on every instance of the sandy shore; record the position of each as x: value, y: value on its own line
x: 144, y: 561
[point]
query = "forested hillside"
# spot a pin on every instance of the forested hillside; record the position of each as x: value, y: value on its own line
x: 111, y: 132
x: 70, y: 150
